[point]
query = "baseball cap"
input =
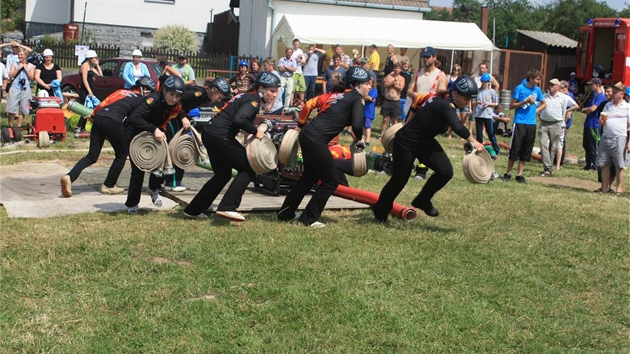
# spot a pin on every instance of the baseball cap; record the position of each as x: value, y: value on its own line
x: 554, y: 82
x: 595, y: 80
x: 136, y: 53
x: 572, y: 73
x: 620, y: 86
x: 427, y: 52
x: 373, y: 46
x: 182, y: 56
x: 364, y: 60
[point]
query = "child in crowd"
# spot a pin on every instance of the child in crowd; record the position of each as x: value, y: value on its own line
x: 369, y: 112
x: 501, y: 121
x: 483, y: 107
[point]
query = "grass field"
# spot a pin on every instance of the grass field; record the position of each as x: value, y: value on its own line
x: 505, y: 268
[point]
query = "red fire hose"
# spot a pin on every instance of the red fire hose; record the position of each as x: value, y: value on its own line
x: 371, y: 198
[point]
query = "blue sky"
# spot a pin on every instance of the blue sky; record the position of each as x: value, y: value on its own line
x: 615, y: 4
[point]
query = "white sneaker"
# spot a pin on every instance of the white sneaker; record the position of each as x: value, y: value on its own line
x: 112, y: 190
x: 317, y: 225
x: 232, y: 215
x: 200, y: 216
x: 132, y: 210
x: 177, y: 189
x: 155, y: 197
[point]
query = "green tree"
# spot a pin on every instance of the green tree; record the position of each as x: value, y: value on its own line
x: 565, y: 16
x: 467, y: 11
x: 441, y: 14
x: 513, y: 15
x: 177, y: 38
x: 12, y: 15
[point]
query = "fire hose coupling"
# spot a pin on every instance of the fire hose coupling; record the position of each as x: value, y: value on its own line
x: 469, y: 147
x: 359, y: 146
x: 268, y: 124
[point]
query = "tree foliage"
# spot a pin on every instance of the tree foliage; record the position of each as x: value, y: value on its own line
x: 560, y: 16
x: 176, y: 38
x: 12, y: 15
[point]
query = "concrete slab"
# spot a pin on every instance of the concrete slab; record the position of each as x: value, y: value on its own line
x: 32, y: 190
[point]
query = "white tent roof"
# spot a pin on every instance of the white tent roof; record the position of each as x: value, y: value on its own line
x: 407, y: 33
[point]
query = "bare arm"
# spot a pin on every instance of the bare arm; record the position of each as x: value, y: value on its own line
x: 39, y: 80
x: 495, y: 84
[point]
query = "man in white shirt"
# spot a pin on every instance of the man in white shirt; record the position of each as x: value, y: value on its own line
x: 287, y: 66
x: 614, y: 145
x: 299, y: 85
x: 551, y: 125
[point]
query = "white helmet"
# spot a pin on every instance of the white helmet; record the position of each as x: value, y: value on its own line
x: 42, y: 93
x: 136, y: 53
x: 47, y: 53
x: 90, y: 54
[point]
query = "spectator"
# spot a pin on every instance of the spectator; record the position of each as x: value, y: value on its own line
x: 573, y: 84
x: 287, y: 66
x: 571, y: 106
x: 501, y: 121
x: 614, y: 145
x: 46, y: 72
x: 403, y: 55
x: 364, y: 65
x: 13, y: 57
x: 344, y: 59
x: 406, y: 74
x: 310, y: 69
x: 275, y: 107
x: 21, y: 74
x: 299, y: 85
x: 483, y: 68
x: 89, y: 68
x: 524, y: 103
x: 483, y: 106
x: 590, y: 137
x: 390, y: 60
x: 254, y: 68
x: 327, y: 83
x: 4, y: 76
x: 185, y: 70
x: 393, y: 85
x: 369, y: 112
x: 462, y: 113
x: 375, y: 60
x: 167, y: 70
x: 135, y: 69
x: 551, y: 122
x: 244, y: 80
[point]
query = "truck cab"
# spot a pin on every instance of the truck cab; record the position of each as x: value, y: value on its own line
x: 603, y: 50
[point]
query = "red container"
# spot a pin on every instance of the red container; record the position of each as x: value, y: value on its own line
x: 52, y: 121
x: 70, y: 32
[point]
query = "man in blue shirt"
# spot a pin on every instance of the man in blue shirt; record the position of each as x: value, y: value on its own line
x: 590, y: 138
x: 527, y: 102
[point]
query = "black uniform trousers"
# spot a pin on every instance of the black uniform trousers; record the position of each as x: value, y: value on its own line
x: 104, y: 128
x: 319, y: 165
x: 225, y: 155
x: 137, y: 179
x: 433, y: 156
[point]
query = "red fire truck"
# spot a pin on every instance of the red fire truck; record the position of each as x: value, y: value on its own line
x: 604, y: 50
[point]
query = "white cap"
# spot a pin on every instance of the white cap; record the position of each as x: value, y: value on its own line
x: 136, y: 53
x: 47, y: 53
x: 90, y: 54
x: 572, y: 73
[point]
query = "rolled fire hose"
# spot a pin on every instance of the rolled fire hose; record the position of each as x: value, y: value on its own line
x: 359, y: 161
x: 150, y: 155
x: 185, y: 149
x: 261, y: 153
x: 477, y: 165
x: 288, y: 150
x: 387, y: 140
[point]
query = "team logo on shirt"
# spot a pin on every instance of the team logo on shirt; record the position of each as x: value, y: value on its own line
x: 452, y: 105
x: 197, y: 94
x: 254, y: 104
x: 149, y: 100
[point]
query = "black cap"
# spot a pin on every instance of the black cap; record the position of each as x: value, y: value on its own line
x: 182, y: 56
x: 373, y: 46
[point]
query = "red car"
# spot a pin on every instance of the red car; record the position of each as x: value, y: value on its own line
x: 112, y: 78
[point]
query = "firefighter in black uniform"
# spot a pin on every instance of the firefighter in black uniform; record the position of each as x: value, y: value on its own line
x: 107, y: 124
x: 417, y: 140
x: 152, y: 115
x: 226, y: 153
x: 194, y: 96
x: 337, y: 111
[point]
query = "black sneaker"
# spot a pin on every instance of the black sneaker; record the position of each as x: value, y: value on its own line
x: 507, y: 177
x: 521, y: 180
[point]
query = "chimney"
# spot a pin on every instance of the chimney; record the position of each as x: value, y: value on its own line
x: 484, y: 19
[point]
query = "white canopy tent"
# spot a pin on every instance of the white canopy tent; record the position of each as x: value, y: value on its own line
x: 359, y: 31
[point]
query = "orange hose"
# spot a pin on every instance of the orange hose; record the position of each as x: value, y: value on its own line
x: 371, y: 198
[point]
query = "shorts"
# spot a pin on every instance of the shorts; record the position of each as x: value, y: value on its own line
x: 367, y: 122
x: 612, y: 151
x: 403, y: 114
x: 522, y: 143
x: 299, y: 85
x: 561, y: 140
x: 391, y: 109
x: 462, y: 110
x: 18, y: 101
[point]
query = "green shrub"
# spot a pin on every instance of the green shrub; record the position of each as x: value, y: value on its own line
x: 177, y: 38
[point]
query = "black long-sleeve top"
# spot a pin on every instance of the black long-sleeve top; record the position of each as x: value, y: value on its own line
x: 153, y: 113
x: 337, y: 110
x: 430, y: 119
x: 237, y: 114
x: 118, y: 105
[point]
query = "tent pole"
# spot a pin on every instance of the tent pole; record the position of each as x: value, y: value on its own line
x: 452, y: 58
